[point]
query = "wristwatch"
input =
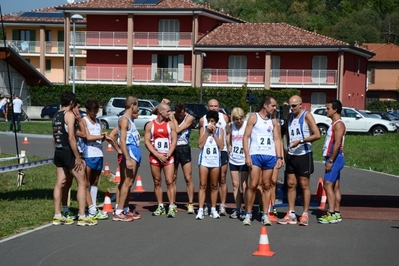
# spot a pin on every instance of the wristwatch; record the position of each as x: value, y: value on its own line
x: 330, y: 161
x: 301, y: 141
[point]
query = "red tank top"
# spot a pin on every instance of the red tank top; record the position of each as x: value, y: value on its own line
x: 161, y: 137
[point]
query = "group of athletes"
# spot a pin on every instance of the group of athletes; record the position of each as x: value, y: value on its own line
x: 253, y: 150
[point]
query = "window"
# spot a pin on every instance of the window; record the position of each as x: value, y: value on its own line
x: 237, y: 68
x: 48, y: 36
x: 48, y: 65
x: 319, y: 69
x: 168, y: 32
x: 349, y: 113
x: 167, y: 67
x: 317, y: 99
x: 371, y: 75
x: 275, y: 75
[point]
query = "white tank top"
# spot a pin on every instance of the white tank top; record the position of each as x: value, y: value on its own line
x: 262, y: 139
x: 237, y: 156
x: 298, y: 129
x: 93, y: 148
x: 221, y: 124
x: 210, y: 153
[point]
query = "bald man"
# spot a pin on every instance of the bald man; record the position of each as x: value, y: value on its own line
x: 160, y: 140
x: 213, y: 104
x: 302, y: 131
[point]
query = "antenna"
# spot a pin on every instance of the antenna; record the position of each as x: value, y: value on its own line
x: 70, y: 1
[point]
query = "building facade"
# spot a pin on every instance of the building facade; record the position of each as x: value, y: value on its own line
x: 180, y: 43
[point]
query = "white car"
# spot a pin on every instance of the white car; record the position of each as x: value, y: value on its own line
x: 356, y: 121
x: 111, y: 121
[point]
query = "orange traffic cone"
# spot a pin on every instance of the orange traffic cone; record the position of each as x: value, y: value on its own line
x: 117, y: 178
x: 263, y: 247
x: 106, y: 169
x: 270, y: 213
x: 107, y: 207
x: 139, y: 185
x: 323, y: 200
x: 110, y: 147
x: 26, y: 141
x: 319, y: 189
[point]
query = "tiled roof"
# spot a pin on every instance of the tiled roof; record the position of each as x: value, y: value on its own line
x: 265, y: 34
x: 110, y: 5
x: 383, y: 51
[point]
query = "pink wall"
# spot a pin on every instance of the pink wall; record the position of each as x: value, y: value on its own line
x: 116, y: 23
x: 354, y: 81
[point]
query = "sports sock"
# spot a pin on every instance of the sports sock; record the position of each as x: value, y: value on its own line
x: 92, y: 209
x: 126, y: 209
x: 213, y: 209
x: 65, y: 209
x: 117, y: 212
x: 292, y: 214
x: 93, y: 194
x: 58, y: 216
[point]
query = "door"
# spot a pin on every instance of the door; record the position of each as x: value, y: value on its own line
x: 317, y: 99
x: 237, y: 72
x: 319, y: 69
x: 275, y: 75
x: 168, y: 32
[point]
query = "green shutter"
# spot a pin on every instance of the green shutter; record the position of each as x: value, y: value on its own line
x: 60, y: 41
x: 15, y: 35
x: 32, y: 45
x: 48, y: 65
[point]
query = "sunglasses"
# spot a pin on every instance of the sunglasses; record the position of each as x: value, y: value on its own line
x: 294, y: 105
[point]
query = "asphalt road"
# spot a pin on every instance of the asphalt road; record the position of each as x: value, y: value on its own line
x: 368, y: 235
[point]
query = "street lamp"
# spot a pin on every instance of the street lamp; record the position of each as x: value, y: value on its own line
x: 74, y: 18
x: 203, y: 55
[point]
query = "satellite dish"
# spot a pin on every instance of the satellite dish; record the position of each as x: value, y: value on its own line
x: 70, y: 1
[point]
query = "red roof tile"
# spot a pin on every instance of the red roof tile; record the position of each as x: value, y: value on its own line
x: 383, y: 51
x: 270, y: 34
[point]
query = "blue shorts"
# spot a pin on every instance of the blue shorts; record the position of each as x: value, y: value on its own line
x: 264, y: 162
x: 134, y: 153
x: 334, y: 174
x: 239, y: 168
x: 95, y: 163
x: 3, y: 108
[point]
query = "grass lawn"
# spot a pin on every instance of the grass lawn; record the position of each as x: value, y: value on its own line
x: 31, y: 205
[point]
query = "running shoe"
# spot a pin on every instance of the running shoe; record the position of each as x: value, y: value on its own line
x: 134, y: 214
x: 159, y: 211
x: 122, y: 217
x: 215, y: 215
x: 190, y: 209
x: 206, y: 211
x: 265, y: 220
x: 69, y: 215
x: 235, y: 214
x: 287, y: 220
x: 174, y: 207
x: 171, y: 213
x: 200, y: 215
x: 304, y: 220
x: 339, y: 217
x: 87, y: 221
x: 242, y: 214
x: 61, y: 221
x: 99, y: 215
x: 247, y: 220
x: 222, y: 210
x: 328, y: 219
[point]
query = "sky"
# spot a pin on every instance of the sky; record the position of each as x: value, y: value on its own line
x: 10, y: 6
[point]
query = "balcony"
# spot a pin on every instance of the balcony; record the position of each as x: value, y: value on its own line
x: 305, y: 78
x: 141, y: 75
x: 25, y: 48
x: 141, y: 40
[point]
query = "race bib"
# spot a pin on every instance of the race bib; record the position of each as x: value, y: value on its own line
x: 162, y: 145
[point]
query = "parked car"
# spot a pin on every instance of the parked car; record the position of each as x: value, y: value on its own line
x: 115, y: 105
x: 356, y: 121
x: 386, y: 116
x: 49, y: 110
x: 111, y: 121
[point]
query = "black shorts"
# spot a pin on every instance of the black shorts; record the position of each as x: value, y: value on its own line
x: 224, y: 157
x: 64, y: 158
x: 301, y: 165
x: 182, y: 154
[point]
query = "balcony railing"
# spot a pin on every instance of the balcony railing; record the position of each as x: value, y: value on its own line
x: 33, y: 48
x: 210, y: 77
x: 140, y: 39
x: 141, y: 75
x: 304, y: 77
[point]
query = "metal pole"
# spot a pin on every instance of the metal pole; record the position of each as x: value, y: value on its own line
x: 202, y: 68
x: 73, y: 60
